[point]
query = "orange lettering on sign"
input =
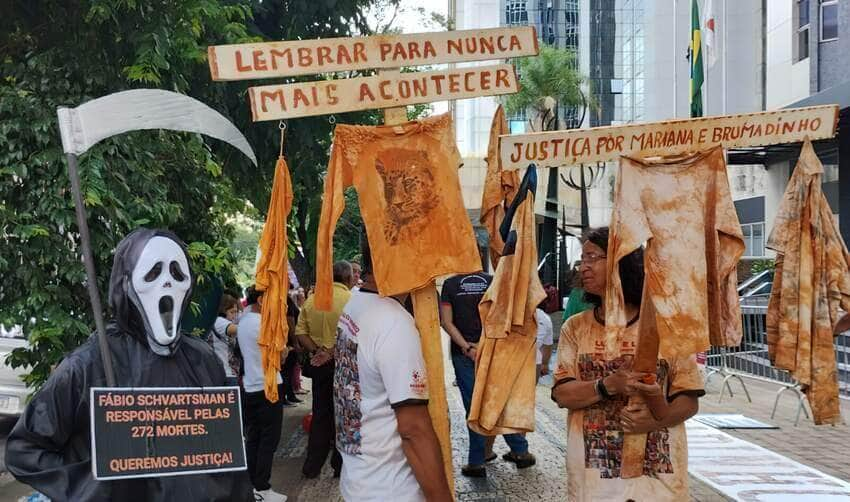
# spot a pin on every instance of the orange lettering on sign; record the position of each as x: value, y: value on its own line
x: 240, y: 66
x: 272, y: 96
x: 259, y: 61
x: 365, y: 91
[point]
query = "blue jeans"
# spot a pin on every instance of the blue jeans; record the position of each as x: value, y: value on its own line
x: 465, y: 375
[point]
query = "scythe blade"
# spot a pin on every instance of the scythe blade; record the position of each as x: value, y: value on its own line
x: 135, y: 110
x: 139, y: 109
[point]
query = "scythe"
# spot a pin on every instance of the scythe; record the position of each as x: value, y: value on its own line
x: 141, y: 109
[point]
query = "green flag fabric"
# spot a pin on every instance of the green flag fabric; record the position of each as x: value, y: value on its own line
x: 696, y: 62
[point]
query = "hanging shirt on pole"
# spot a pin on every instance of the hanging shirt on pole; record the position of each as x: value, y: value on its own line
x: 811, y: 282
x: 683, y: 209
x: 410, y: 200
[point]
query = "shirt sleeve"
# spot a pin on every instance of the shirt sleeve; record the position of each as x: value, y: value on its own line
x: 301, y: 325
x: 447, y: 292
x: 399, y: 361
x: 568, y: 348
x: 685, y: 378
x: 221, y: 325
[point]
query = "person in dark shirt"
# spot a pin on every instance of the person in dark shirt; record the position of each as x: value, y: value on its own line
x: 460, y: 318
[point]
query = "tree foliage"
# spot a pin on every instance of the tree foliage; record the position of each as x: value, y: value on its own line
x: 547, y: 81
x: 65, y: 53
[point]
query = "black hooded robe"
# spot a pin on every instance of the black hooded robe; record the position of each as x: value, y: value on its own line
x: 50, y: 446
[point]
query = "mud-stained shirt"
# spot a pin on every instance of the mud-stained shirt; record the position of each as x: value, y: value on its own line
x: 811, y: 282
x: 682, y: 208
x: 594, y: 434
x: 406, y: 178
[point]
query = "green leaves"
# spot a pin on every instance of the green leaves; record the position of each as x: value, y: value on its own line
x: 65, y: 53
x: 552, y: 73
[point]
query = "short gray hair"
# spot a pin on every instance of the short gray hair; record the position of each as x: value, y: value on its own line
x: 343, y: 272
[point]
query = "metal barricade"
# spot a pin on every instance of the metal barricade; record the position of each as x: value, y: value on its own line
x: 751, y: 359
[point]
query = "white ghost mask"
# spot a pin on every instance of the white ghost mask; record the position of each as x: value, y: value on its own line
x: 159, y: 284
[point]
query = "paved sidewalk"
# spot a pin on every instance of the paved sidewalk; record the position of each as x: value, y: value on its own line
x: 544, y: 482
x: 823, y: 447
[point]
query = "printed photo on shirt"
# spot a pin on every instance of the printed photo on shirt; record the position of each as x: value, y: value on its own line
x: 408, y: 191
x: 603, y: 433
x: 347, y: 397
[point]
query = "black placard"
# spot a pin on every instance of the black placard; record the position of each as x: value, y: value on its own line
x: 164, y: 431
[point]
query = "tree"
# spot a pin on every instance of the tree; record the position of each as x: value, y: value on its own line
x: 548, y: 82
x: 65, y: 53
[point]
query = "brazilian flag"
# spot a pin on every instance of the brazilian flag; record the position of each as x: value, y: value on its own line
x: 696, y: 62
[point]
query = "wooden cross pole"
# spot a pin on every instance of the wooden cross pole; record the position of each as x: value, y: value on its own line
x: 392, y: 91
x: 427, y: 316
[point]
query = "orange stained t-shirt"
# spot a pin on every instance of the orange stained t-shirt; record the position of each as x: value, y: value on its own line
x: 811, y: 283
x: 683, y: 209
x: 410, y: 200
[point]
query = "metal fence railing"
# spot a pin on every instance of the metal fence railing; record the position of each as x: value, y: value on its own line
x: 751, y: 359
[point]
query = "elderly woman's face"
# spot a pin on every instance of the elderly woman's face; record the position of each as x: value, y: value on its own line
x: 593, y: 268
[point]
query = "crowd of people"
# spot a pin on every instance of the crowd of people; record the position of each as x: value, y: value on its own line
x: 369, y: 385
x: 369, y: 391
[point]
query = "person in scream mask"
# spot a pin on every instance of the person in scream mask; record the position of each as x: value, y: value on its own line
x: 50, y: 446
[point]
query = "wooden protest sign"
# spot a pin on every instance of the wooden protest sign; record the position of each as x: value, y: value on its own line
x: 306, y: 57
x: 387, y: 90
x: 672, y: 137
x: 165, y: 431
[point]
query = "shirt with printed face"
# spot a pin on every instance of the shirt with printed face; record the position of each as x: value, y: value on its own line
x: 595, y: 437
x: 406, y: 177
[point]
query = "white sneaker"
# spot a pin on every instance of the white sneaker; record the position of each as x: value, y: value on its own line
x: 269, y: 496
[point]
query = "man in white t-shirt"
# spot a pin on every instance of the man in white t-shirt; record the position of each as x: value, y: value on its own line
x: 263, y: 419
x: 545, y: 340
x: 383, y: 430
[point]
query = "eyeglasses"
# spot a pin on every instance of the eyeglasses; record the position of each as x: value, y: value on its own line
x: 592, y: 258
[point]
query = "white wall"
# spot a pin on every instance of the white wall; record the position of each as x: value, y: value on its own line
x: 787, y: 81
x: 474, y: 116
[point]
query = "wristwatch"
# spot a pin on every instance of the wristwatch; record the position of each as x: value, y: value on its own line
x: 601, y: 390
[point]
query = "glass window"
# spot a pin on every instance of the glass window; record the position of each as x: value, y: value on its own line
x: 753, y: 239
x: 802, y: 44
x: 829, y: 20
x: 802, y: 13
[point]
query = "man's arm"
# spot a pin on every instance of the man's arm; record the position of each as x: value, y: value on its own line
x: 35, y: 449
x: 546, y: 351
x: 446, y: 316
x: 302, y: 331
x: 422, y: 449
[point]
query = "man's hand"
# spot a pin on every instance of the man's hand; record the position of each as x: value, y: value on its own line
x: 472, y: 352
x: 638, y: 419
x: 544, y: 370
x: 320, y: 358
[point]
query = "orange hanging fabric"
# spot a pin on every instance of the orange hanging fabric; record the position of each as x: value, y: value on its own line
x: 504, y: 395
x: 500, y: 187
x: 811, y: 282
x: 410, y: 200
x: 273, y: 279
